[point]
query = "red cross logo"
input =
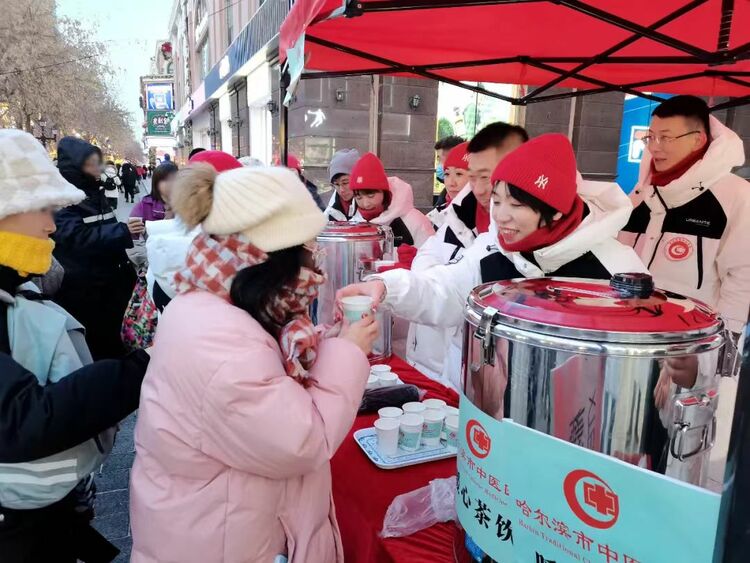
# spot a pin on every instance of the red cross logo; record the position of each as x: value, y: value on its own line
x: 585, y: 491
x: 600, y: 498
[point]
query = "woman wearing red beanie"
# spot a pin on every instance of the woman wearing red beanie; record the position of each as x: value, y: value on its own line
x: 546, y: 221
x: 387, y: 201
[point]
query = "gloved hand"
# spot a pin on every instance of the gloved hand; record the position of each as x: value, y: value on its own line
x: 406, y: 255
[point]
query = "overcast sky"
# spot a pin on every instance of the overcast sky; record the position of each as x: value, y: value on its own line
x: 130, y: 29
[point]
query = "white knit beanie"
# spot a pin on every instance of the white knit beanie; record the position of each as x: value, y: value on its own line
x: 269, y: 205
x: 28, y: 179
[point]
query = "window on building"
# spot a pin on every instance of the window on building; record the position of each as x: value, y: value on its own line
x: 201, y: 18
x: 204, y: 60
x: 229, y: 15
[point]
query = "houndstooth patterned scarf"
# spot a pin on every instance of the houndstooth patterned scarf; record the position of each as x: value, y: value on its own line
x: 212, y: 263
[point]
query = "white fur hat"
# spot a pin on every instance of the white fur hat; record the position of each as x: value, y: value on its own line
x: 28, y: 179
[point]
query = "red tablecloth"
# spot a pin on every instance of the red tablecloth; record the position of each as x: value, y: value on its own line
x: 362, y: 493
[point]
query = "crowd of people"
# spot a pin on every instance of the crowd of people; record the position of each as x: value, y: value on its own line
x: 242, y: 400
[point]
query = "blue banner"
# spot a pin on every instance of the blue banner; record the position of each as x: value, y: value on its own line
x: 636, y: 116
x: 526, y: 497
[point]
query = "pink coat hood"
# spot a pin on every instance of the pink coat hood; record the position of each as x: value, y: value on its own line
x: 233, y: 455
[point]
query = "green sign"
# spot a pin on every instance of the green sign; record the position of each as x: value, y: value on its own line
x: 526, y: 497
x: 159, y: 123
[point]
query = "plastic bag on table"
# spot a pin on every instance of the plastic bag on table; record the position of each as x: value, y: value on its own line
x: 418, y: 510
x: 392, y: 396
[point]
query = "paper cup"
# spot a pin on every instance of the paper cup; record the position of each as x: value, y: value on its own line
x: 380, y: 369
x: 414, y: 408
x: 356, y: 307
x: 451, y: 430
x: 388, y: 435
x: 373, y: 382
x: 410, y: 432
x: 390, y: 412
x: 432, y: 427
x: 449, y: 411
x: 387, y: 379
x: 437, y: 404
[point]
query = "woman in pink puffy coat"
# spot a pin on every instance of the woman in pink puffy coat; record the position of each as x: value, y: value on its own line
x: 245, y: 401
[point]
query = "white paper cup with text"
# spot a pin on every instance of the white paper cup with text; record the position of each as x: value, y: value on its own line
x: 414, y: 408
x: 373, y: 382
x: 410, y: 432
x: 451, y: 431
x: 388, y: 435
x: 449, y: 411
x: 379, y: 369
x: 432, y: 427
x: 437, y: 404
x: 356, y: 307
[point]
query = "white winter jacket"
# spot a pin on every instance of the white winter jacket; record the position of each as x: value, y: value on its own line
x: 694, y: 233
x: 426, y: 345
x: 437, y: 297
x: 407, y: 222
x: 335, y: 211
x: 167, y: 246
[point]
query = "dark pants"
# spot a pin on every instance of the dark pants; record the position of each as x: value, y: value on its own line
x: 54, y: 534
x: 112, y: 202
x: 130, y: 192
x: 100, y: 309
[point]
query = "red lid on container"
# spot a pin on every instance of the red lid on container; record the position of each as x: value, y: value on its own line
x: 595, y: 305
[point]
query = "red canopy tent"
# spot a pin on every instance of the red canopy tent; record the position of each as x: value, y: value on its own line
x: 635, y: 46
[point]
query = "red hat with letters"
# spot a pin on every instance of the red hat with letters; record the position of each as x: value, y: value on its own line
x: 458, y: 157
x: 220, y: 160
x: 368, y: 174
x: 544, y: 167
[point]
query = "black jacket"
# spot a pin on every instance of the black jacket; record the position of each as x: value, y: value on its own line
x: 38, y: 421
x: 91, y: 244
x: 313, y: 189
x: 128, y: 175
x: 90, y: 241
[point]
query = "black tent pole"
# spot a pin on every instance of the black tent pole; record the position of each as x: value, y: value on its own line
x: 733, y: 536
x: 283, y: 116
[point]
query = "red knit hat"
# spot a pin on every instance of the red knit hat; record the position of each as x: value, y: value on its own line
x: 368, y: 174
x: 220, y: 160
x: 458, y: 157
x: 293, y: 162
x: 544, y: 167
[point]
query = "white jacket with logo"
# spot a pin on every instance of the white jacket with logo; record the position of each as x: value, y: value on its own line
x: 427, y: 346
x: 694, y: 233
x: 437, y: 297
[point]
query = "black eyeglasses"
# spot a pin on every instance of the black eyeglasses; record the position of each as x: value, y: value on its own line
x: 663, y: 139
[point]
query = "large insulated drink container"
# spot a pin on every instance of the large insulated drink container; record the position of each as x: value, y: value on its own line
x: 351, y: 251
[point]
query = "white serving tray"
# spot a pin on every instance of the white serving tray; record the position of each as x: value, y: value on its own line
x: 367, y: 439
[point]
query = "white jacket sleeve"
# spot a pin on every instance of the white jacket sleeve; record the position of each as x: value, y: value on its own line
x: 435, y: 297
x: 432, y: 252
x: 419, y: 226
x: 733, y: 265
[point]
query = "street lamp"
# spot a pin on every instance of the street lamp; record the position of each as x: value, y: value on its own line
x: 42, y: 136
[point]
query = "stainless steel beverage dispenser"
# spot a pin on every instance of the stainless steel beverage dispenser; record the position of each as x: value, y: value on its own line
x: 351, y: 251
x: 580, y: 360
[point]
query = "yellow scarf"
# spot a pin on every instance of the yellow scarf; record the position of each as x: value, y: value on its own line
x: 26, y: 255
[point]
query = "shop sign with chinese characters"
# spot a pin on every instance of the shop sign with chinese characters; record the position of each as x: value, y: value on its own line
x: 526, y: 497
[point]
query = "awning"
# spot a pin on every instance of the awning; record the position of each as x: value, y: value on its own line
x: 700, y: 47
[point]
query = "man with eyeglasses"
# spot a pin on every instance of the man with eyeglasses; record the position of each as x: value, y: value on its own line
x: 691, y: 216
x: 342, y: 206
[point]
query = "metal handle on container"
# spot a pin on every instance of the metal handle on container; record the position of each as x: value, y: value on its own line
x: 694, y: 412
x: 730, y: 355
x: 484, y: 333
